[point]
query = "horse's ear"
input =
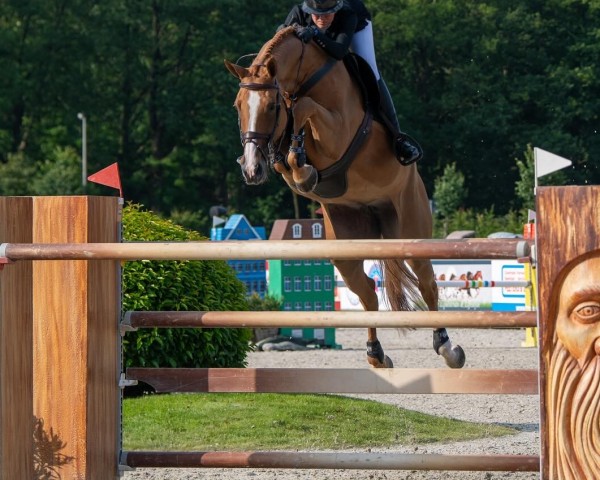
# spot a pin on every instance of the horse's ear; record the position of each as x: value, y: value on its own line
x: 271, y: 66
x: 236, y: 70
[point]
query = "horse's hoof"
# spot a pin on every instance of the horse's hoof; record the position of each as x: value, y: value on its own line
x: 375, y: 363
x: 387, y: 362
x: 454, y: 355
x: 308, y: 185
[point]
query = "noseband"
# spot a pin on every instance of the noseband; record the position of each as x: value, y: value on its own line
x: 273, y: 155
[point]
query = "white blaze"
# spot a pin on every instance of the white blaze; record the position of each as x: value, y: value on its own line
x: 250, y: 150
x: 253, y: 104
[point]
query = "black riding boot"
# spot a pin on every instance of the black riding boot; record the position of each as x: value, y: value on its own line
x: 407, y: 149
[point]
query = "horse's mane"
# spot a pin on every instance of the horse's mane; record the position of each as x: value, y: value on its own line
x: 267, y: 49
x: 277, y: 40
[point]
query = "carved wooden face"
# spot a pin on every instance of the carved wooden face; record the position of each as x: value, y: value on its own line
x: 578, y: 319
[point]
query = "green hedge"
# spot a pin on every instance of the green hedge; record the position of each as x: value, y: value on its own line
x: 179, y: 285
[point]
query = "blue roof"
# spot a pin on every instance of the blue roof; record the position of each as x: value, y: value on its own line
x: 238, y: 227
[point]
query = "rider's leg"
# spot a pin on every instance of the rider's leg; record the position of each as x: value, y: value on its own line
x: 406, y: 151
x: 363, y: 45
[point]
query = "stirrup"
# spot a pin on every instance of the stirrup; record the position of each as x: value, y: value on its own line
x: 400, y: 142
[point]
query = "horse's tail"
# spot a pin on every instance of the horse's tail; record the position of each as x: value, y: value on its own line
x: 401, y: 286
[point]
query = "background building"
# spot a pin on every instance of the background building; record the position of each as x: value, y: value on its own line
x: 251, y: 272
x: 303, y: 284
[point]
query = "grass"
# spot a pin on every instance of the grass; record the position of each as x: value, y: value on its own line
x: 283, y: 422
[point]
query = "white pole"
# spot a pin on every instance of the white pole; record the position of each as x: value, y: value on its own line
x: 81, y: 117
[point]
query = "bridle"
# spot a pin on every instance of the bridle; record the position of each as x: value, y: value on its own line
x: 274, y: 154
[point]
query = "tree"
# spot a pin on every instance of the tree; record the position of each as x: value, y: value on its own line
x: 449, y: 193
x: 526, y: 183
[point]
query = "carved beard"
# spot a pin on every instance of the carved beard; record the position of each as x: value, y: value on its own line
x: 573, y: 416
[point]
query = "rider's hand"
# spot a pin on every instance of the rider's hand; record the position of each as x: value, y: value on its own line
x: 306, y: 33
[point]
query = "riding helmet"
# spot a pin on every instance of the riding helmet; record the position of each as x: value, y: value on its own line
x: 322, y: 7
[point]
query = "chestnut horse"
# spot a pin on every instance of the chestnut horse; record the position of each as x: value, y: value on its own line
x: 295, y: 97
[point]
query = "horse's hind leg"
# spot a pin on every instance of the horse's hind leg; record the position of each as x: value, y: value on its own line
x: 454, y: 355
x: 362, y: 285
x: 342, y: 222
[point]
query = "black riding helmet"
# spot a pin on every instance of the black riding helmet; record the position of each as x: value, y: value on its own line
x: 321, y: 7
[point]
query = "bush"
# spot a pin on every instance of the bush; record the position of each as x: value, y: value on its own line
x: 179, y: 285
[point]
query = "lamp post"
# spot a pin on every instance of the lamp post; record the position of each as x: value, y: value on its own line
x: 81, y: 117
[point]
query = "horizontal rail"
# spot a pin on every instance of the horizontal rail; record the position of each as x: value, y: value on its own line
x: 338, y: 380
x: 483, y: 283
x: 335, y: 319
x: 472, y: 248
x: 332, y: 460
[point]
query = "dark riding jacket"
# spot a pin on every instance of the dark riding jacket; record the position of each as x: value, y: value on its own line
x: 351, y: 18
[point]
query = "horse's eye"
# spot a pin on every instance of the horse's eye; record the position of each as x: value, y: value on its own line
x: 272, y: 106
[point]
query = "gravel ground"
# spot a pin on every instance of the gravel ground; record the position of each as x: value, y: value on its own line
x: 498, y: 349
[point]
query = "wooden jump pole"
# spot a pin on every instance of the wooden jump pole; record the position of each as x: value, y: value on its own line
x: 326, y: 460
x: 338, y: 380
x: 323, y: 319
x: 274, y: 249
x: 69, y: 311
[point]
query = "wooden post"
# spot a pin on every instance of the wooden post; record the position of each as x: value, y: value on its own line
x: 568, y: 244
x: 16, y: 359
x: 76, y: 366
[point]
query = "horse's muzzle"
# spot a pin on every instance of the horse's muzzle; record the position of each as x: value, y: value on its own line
x: 253, y: 173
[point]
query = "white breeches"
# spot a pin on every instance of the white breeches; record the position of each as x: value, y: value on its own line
x: 362, y: 44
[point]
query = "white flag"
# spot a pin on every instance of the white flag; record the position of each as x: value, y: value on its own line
x: 218, y: 221
x: 546, y: 162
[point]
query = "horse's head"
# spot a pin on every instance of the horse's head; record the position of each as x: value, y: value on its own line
x: 259, y: 107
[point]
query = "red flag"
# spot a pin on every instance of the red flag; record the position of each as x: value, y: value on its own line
x: 108, y: 176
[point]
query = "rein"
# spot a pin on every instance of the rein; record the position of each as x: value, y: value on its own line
x: 274, y: 154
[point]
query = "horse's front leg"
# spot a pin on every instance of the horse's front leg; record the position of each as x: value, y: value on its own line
x: 304, y: 175
x: 307, y: 111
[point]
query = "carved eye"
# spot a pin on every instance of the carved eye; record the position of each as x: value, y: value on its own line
x: 588, y: 312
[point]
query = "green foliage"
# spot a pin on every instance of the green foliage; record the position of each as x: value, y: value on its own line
x: 269, y: 303
x: 526, y: 183
x: 482, y: 223
x: 60, y: 174
x: 16, y: 174
x: 474, y: 82
x: 179, y: 285
x: 449, y: 191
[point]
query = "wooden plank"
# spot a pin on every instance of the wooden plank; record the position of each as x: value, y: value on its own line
x: 338, y: 380
x: 471, y: 248
x: 76, y: 337
x: 16, y: 347
x: 333, y: 460
x: 568, y: 244
x: 351, y: 319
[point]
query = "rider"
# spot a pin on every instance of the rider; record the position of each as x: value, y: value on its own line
x: 338, y: 26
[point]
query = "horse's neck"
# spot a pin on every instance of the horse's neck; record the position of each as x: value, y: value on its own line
x: 336, y: 122
x: 338, y: 112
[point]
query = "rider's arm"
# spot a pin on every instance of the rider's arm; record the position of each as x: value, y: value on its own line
x: 296, y: 16
x: 338, y: 46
